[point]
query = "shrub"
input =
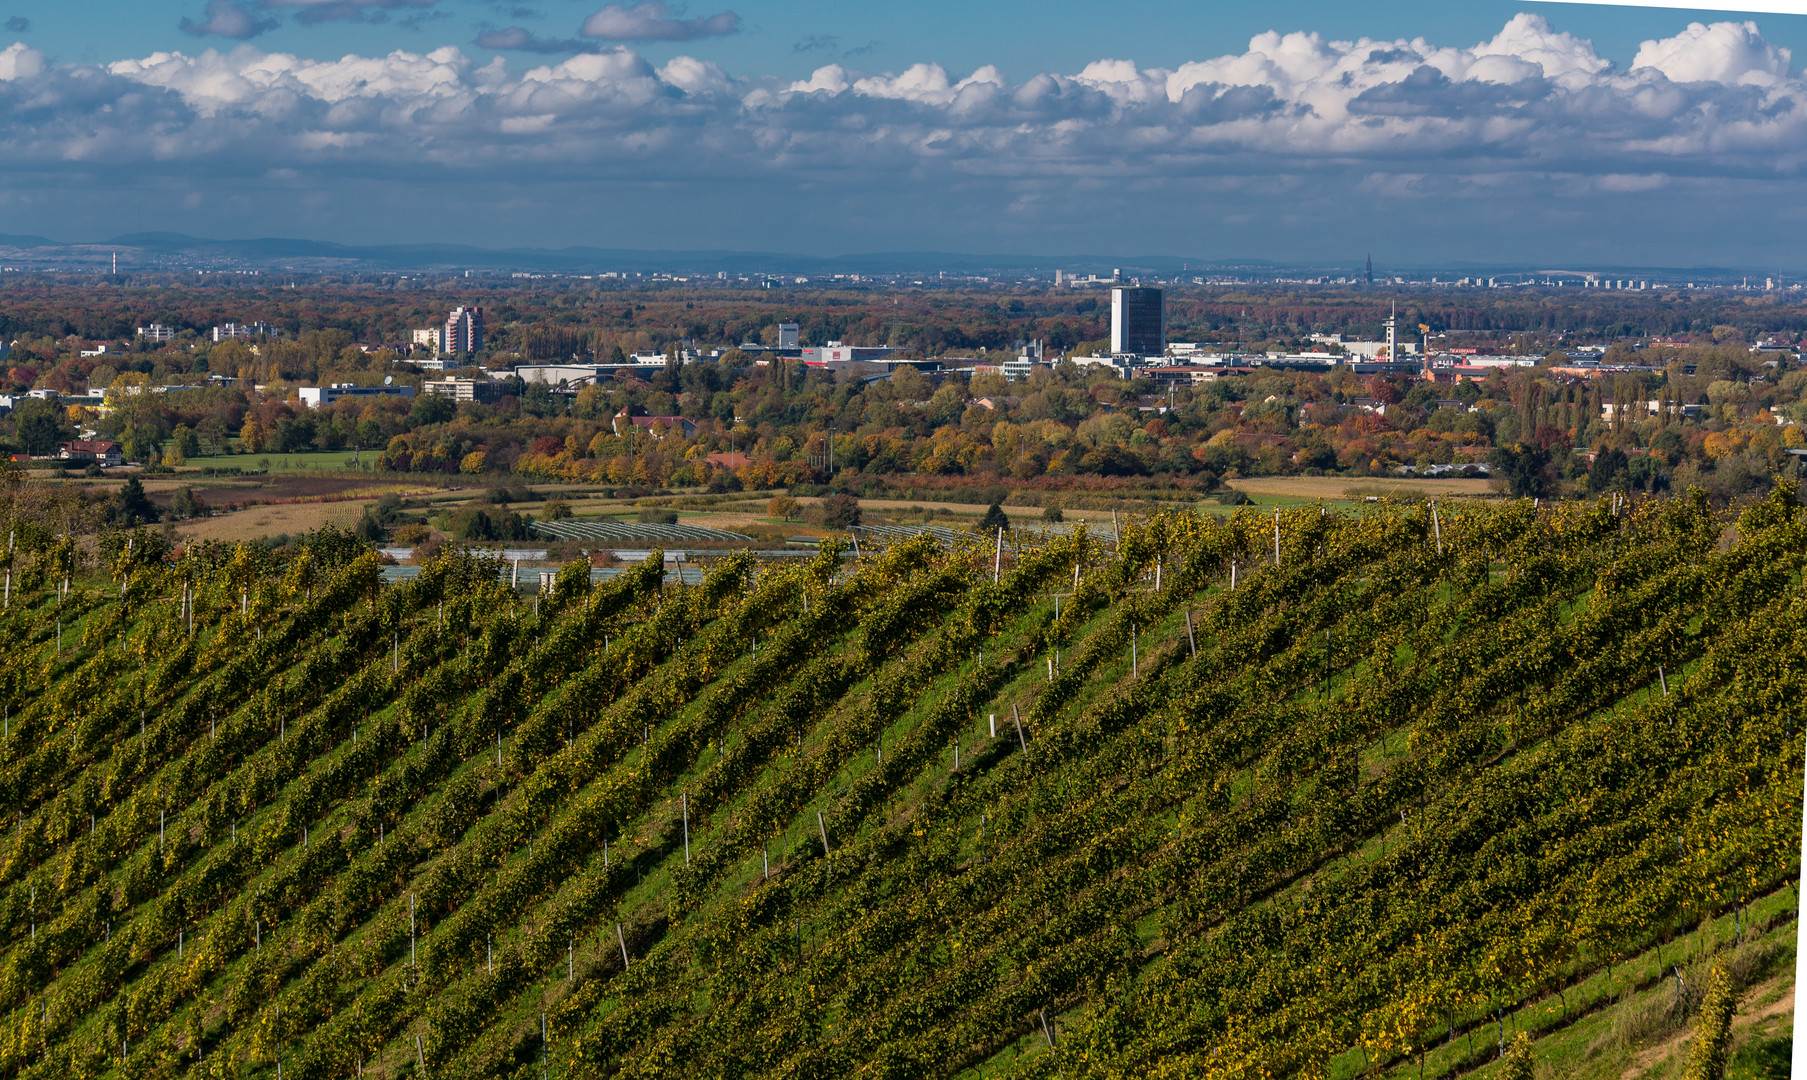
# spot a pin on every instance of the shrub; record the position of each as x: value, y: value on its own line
x: 840, y: 511
x: 1519, y: 1063
x: 657, y: 517
x: 1713, y: 1029
x: 186, y: 504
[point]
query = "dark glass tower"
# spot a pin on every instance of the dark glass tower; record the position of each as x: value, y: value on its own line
x: 1138, y: 321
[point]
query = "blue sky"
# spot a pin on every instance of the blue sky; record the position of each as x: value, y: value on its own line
x: 793, y: 37
x: 1434, y: 131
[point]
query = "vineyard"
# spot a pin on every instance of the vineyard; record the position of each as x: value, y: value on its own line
x: 1303, y: 794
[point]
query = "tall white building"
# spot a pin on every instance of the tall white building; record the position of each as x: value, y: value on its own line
x: 463, y: 331
x: 242, y: 331
x: 430, y: 337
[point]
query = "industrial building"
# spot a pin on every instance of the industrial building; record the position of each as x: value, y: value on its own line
x: 836, y: 352
x: 462, y: 390
x: 318, y: 396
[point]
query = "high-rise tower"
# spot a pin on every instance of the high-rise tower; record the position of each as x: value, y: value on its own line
x: 463, y: 331
x: 1370, y: 271
x: 1138, y: 321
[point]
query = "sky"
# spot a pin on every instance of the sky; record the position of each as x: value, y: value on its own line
x: 1423, y: 131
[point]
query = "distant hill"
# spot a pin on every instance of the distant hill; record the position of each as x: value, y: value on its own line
x: 165, y: 251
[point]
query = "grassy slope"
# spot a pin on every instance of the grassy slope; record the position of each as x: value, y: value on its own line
x: 1159, y: 867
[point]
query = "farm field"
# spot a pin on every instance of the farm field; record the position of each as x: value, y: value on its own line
x: 1334, y: 795
x: 257, y: 522
x: 296, y: 461
x: 1271, y: 489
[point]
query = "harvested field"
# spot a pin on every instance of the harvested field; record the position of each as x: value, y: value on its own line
x: 1337, y: 487
x: 261, y: 521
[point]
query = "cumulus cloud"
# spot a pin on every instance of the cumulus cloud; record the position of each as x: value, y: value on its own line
x: 20, y: 61
x: 1530, y: 114
x: 1732, y: 53
x: 1529, y: 98
x: 652, y: 21
x: 228, y: 19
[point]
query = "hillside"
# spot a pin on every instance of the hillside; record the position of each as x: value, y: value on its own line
x: 1315, y: 794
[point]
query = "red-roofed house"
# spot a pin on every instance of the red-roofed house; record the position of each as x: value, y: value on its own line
x: 102, y: 453
x: 656, y: 426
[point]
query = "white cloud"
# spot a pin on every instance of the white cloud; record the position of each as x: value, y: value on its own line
x: 1730, y: 53
x: 1295, y: 113
x: 1527, y: 98
x: 831, y: 79
x: 694, y: 76
x: 20, y: 61
x: 1564, y: 59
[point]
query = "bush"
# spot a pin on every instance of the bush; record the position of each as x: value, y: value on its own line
x: 514, y: 489
x: 186, y: 504
x: 840, y: 511
x: 557, y: 509
x: 1519, y: 1064
x: 657, y: 517
x: 477, y: 523
x: 1713, y: 1030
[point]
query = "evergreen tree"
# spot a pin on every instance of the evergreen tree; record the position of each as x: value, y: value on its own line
x: 131, y: 507
x: 994, y: 519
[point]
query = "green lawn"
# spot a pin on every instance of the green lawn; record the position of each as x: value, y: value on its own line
x: 307, y: 461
